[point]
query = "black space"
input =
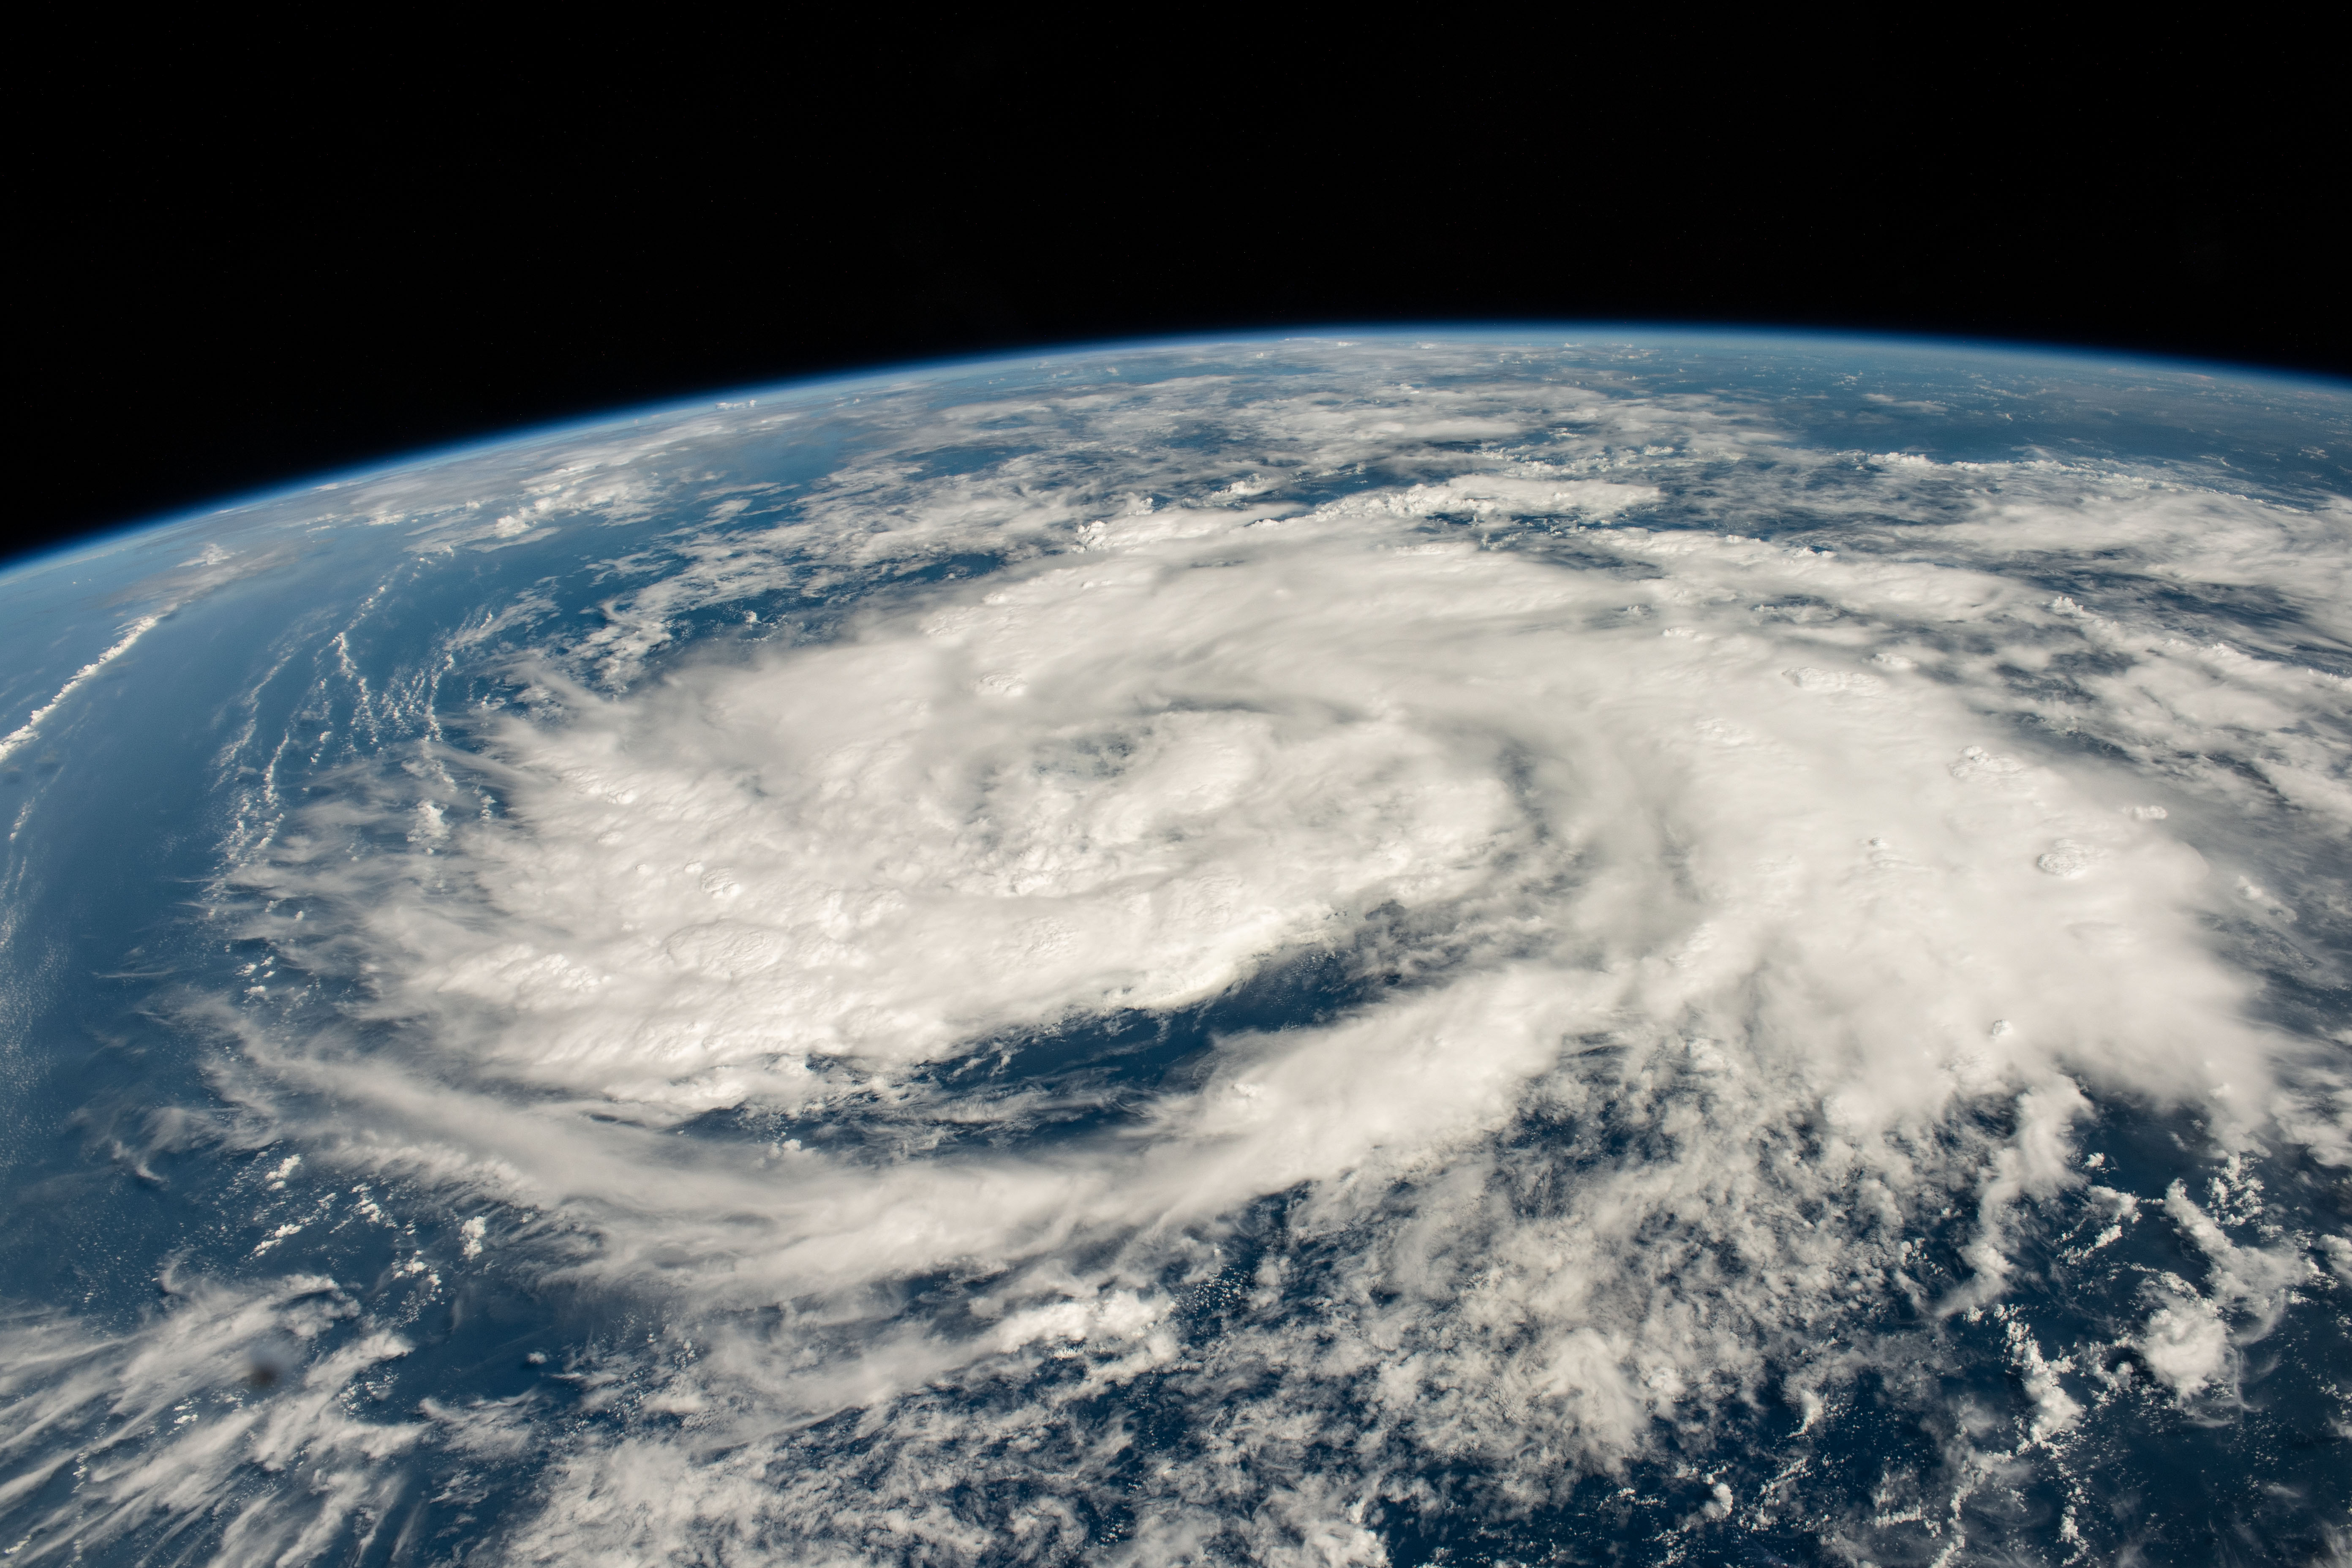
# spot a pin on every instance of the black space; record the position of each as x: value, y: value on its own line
x: 252, y: 260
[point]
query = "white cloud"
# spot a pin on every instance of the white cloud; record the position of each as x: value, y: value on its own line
x: 226, y: 1391
x: 1691, y: 983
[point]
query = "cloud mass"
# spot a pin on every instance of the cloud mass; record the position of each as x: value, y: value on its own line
x: 1321, y: 958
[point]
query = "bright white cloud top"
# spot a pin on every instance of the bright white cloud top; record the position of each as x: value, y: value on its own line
x: 1311, y: 952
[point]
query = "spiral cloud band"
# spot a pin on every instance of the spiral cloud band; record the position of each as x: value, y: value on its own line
x: 1196, y: 964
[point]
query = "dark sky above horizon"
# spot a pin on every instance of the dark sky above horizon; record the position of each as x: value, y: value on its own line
x: 244, y: 288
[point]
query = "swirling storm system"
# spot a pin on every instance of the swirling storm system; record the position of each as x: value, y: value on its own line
x: 1471, y: 948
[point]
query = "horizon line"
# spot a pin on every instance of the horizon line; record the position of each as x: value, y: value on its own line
x: 892, y: 369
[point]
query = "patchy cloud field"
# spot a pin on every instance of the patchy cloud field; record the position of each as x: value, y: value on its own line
x: 1306, y: 952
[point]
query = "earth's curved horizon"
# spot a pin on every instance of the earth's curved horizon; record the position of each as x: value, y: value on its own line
x: 1426, y: 945
x: 299, y: 479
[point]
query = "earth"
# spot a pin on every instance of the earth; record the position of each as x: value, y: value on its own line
x: 1486, y: 948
